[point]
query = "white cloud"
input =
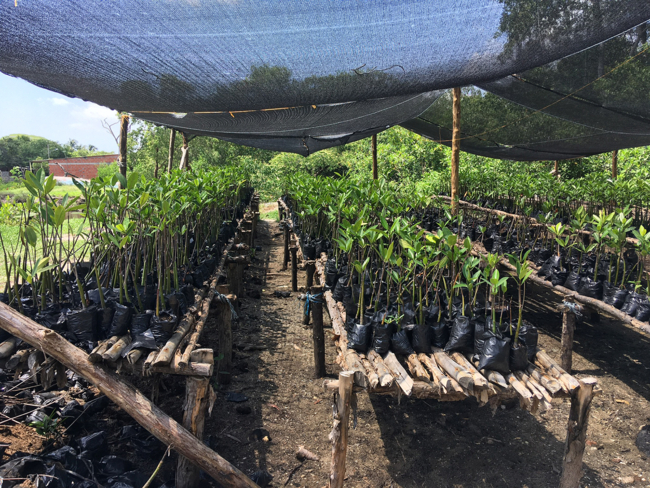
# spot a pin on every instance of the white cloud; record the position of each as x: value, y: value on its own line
x: 59, y: 101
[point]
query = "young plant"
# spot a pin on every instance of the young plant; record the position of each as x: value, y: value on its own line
x: 522, y: 273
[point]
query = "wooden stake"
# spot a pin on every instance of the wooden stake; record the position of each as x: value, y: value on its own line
x: 316, y: 308
x: 235, y: 276
x: 574, y: 447
x: 172, y: 140
x: 196, y: 405
x: 614, y: 165
x: 224, y: 324
x: 455, y: 152
x: 339, y: 434
x: 125, y: 396
x: 124, y: 129
x: 373, y: 144
x: 286, y: 258
x: 568, y: 327
x: 310, y: 267
x: 294, y: 268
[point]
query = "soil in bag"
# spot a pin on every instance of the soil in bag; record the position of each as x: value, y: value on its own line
x: 495, y: 355
x: 140, y: 323
x: 162, y: 327
x: 518, y: 357
x: 590, y: 288
x: 482, y: 332
x: 381, y: 337
x: 559, y: 277
x: 359, y: 338
x: 421, y: 338
x: 613, y: 295
x: 121, y: 320
x: 83, y: 324
x: 440, y: 332
x: 550, y: 265
x: 105, y: 319
x: 643, y: 311
x: 529, y: 335
x: 573, y: 281
x: 462, y: 336
x: 399, y: 343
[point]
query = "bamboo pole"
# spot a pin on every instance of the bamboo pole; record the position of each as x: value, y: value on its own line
x: 125, y: 396
x: 455, y: 152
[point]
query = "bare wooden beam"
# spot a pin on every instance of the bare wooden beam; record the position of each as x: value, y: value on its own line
x: 172, y: 140
x: 455, y: 152
x: 373, y: 144
x: 125, y: 396
x: 124, y: 130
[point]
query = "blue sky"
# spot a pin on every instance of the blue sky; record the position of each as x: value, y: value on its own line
x: 28, y: 109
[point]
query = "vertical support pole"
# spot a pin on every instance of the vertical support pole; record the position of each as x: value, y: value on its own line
x: 310, y: 267
x: 339, y: 434
x: 172, y: 141
x: 197, y: 398
x: 373, y: 144
x: 235, y: 275
x: 556, y: 169
x: 574, y: 447
x: 614, y: 165
x: 224, y: 326
x: 280, y: 212
x: 185, y: 153
x: 155, y: 171
x: 286, y: 258
x: 318, y: 334
x: 294, y: 268
x: 455, y: 152
x: 568, y: 327
x: 124, y: 130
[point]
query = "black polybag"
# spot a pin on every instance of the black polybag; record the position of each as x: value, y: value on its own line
x: 52, y: 319
x: 518, y: 357
x: 140, y: 323
x: 529, y: 335
x: 573, y: 281
x: 613, y: 295
x: 83, y: 324
x: 105, y: 319
x: 421, y: 338
x: 440, y: 332
x: 162, y: 327
x: 551, y: 264
x: 496, y: 354
x: 643, y: 311
x: 482, y: 332
x: 462, y: 335
x: 381, y: 337
x: 399, y: 343
x: 559, y: 277
x: 590, y: 288
x: 121, y: 320
x: 359, y: 338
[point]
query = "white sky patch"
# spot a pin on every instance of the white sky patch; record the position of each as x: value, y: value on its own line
x: 59, y: 101
x: 91, y: 114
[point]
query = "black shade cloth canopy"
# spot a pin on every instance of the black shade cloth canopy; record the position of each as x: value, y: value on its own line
x: 303, y: 75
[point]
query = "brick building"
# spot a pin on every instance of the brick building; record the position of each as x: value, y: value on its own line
x: 84, y: 168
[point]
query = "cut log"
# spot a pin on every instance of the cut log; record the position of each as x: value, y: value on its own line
x: 195, y: 408
x: 134, y: 355
x: 551, y: 385
x: 166, y: 353
x: 8, y: 347
x: 574, y: 447
x: 373, y: 377
x: 480, y: 381
x: 18, y: 358
x: 437, y: 376
x: 404, y: 381
x: 456, y: 371
x: 192, y: 369
x: 339, y: 435
x: 533, y: 383
x: 34, y: 362
x: 520, y: 388
x: 114, y: 353
x: 416, y: 368
x: 524, y: 379
x: 96, y: 355
x: 385, y: 377
x: 203, y: 355
x: 125, y: 396
x: 352, y: 362
x: 545, y: 361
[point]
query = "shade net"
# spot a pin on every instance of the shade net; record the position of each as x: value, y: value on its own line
x: 594, y: 101
x: 332, y: 72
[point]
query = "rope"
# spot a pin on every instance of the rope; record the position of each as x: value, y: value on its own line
x: 224, y: 299
x: 309, y: 299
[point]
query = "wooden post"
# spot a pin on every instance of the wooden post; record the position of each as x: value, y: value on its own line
x: 286, y: 258
x: 574, y: 447
x: 316, y: 309
x: 172, y: 140
x: 124, y: 130
x: 375, y: 172
x: 556, y: 169
x: 224, y: 353
x: 126, y: 397
x: 294, y: 268
x: 155, y: 171
x: 568, y: 327
x: 197, y: 398
x: 455, y: 151
x: 614, y: 165
x: 185, y: 153
x: 235, y: 275
x: 310, y: 267
x: 339, y: 434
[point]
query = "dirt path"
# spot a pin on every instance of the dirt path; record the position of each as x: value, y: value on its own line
x: 420, y: 442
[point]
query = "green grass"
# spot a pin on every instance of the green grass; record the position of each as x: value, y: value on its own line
x: 273, y: 214
x: 21, y: 194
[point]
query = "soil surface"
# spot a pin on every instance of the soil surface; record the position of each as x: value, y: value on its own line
x: 415, y: 443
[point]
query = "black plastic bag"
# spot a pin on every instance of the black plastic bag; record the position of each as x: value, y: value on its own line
x: 631, y: 305
x: 96, y: 443
x: 590, y: 288
x: 83, y: 324
x: 121, y: 320
x: 495, y: 355
x: 162, y: 327
x: 140, y: 323
x: 559, y: 277
x: 518, y: 357
x: 421, y: 338
x: 440, y: 332
x: 93, y: 295
x: 177, y: 303
x: 113, y: 465
x: 359, y: 338
x: 613, y: 295
x: 399, y: 343
x: 482, y: 332
x: 309, y: 251
x: 529, y: 335
x: 551, y: 264
x: 643, y: 311
x: 573, y: 281
x: 51, y: 319
x: 105, y: 319
x: 462, y: 336
x: 381, y: 337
